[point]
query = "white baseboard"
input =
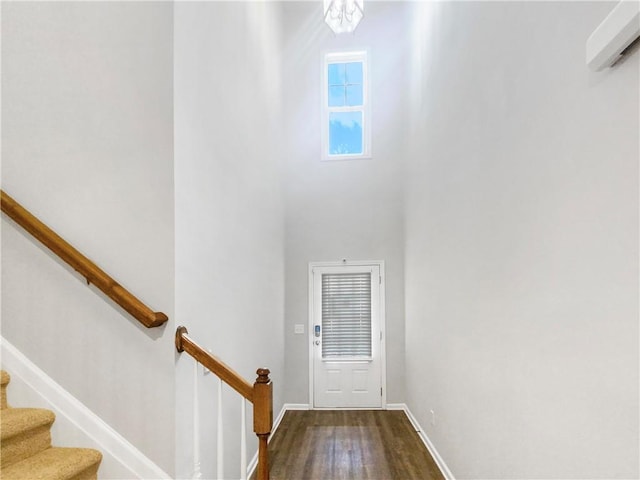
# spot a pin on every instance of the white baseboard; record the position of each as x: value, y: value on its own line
x: 425, y: 439
x: 119, y: 456
x: 296, y: 406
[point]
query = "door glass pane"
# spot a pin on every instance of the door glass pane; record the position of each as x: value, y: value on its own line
x: 346, y: 315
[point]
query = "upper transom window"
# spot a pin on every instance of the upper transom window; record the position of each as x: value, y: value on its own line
x: 346, y: 116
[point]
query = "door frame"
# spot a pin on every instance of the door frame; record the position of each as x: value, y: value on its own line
x: 382, y: 320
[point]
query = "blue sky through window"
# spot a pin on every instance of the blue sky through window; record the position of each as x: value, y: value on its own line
x: 345, y: 84
x: 345, y: 89
x: 345, y: 133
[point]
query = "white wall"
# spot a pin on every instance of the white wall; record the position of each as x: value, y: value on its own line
x: 87, y: 142
x: 343, y: 209
x: 229, y: 210
x: 522, y: 243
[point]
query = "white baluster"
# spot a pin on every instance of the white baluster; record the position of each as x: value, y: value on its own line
x: 197, y: 474
x: 220, y: 472
x: 243, y: 439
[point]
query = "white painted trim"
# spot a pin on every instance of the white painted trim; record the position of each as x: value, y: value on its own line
x: 293, y: 406
x: 382, y: 306
x: 220, y: 435
x: 397, y: 406
x: 425, y: 439
x: 197, y: 467
x: 64, y: 404
x: 243, y: 438
x: 382, y: 314
x: 613, y: 35
x: 310, y: 327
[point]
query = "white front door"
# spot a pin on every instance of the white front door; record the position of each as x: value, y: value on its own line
x: 346, y: 335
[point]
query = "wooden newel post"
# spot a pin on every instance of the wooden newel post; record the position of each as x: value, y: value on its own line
x: 263, y: 418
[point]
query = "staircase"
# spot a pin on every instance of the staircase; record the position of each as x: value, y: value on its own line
x: 27, y: 453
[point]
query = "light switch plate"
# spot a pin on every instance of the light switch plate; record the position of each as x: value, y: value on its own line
x: 299, y: 328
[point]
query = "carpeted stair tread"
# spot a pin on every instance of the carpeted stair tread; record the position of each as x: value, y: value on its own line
x: 24, y: 432
x: 16, y: 421
x: 56, y: 464
x: 27, y: 454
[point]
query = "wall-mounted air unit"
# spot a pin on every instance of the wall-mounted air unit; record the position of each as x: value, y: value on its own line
x: 613, y: 36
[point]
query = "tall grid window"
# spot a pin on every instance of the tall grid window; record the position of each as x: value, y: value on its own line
x: 346, y: 115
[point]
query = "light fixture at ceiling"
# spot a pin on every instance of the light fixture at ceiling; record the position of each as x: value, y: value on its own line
x: 343, y: 16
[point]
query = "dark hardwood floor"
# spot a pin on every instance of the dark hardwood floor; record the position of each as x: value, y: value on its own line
x: 349, y: 445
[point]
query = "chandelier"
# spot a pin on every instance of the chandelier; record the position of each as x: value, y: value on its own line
x: 343, y: 15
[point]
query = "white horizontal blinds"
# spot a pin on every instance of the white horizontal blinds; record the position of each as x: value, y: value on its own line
x: 346, y: 315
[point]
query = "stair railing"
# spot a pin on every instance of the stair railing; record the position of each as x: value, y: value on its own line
x: 260, y: 394
x: 89, y: 270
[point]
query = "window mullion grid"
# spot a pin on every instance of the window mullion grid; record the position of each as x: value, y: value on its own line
x: 356, y: 108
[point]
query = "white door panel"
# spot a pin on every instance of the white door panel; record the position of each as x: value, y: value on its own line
x: 347, y: 348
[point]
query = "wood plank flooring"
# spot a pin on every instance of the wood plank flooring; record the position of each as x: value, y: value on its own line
x: 349, y: 445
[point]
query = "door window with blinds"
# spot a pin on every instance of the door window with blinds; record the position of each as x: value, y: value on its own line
x: 346, y: 315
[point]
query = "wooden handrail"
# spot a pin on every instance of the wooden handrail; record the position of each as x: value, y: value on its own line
x: 260, y: 394
x: 217, y: 366
x: 81, y: 264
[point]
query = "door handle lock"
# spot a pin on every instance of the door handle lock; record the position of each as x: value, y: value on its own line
x: 317, y: 342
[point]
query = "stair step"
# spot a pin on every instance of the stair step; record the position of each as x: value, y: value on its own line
x: 27, y: 454
x: 4, y: 381
x: 56, y: 464
x: 24, y: 432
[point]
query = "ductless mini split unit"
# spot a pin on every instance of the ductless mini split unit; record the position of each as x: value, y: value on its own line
x: 614, y: 36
